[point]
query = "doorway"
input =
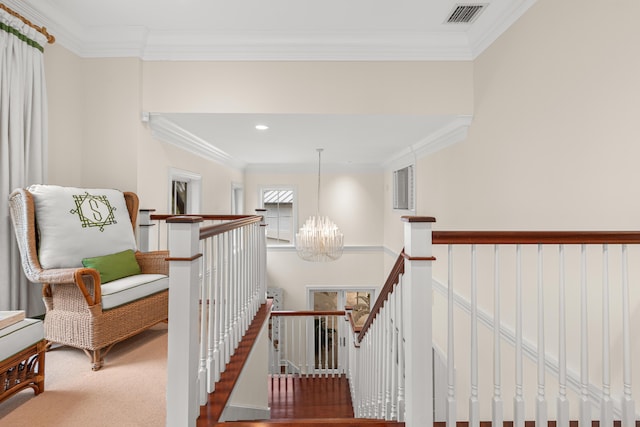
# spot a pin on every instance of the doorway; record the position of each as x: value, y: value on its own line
x: 329, y: 336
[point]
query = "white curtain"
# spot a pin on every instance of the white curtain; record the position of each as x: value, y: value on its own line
x: 23, y: 143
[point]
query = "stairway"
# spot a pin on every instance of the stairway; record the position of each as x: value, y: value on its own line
x: 328, y: 396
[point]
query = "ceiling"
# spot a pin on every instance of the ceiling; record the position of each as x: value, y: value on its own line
x: 283, y: 30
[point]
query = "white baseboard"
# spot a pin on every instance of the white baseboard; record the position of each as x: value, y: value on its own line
x: 244, y: 413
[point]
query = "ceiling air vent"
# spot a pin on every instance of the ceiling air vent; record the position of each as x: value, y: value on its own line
x: 465, y: 13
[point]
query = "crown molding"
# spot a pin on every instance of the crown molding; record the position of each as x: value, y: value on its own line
x: 301, y: 168
x: 307, y: 46
x: 167, y: 131
x: 446, y: 136
x: 483, y: 35
x: 146, y: 44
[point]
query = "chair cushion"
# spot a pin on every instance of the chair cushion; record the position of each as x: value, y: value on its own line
x: 76, y: 223
x: 20, y: 335
x: 114, y: 266
x: 127, y: 289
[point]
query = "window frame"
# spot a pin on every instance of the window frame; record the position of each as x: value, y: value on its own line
x: 294, y: 211
x: 194, y: 189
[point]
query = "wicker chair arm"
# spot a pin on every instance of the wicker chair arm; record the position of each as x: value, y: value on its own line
x: 153, y: 262
x: 71, y: 276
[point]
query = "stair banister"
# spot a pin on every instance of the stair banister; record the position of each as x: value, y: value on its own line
x: 417, y: 319
x: 182, y: 366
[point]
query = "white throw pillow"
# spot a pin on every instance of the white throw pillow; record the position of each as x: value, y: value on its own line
x: 76, y: 223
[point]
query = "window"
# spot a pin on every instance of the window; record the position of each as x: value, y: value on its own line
x: 280, y: 214
x: 403, y: 188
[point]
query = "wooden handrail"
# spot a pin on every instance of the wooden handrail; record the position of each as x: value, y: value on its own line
x: 206, y: 217
x: 394, y: 277
x: 232, y: 222
x: 355, y: 328
x: 308, y: 313
x: 534, y: 237
x: 214, y: 230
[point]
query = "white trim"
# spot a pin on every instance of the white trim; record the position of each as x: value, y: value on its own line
x: 244, y: 412
x: 301, y: 168
x: 347, y: 249
x: 234, y: 187
x: 195, y: 185
x: 294, y: 211
x: 148, y: 44
x: 482, y: 36
x: 446, y: 136
x: 167, y: 131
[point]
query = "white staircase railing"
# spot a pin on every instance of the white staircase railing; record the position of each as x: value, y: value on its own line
x: 217, y: 285
x: 390, y: 359
x: 533, y: 285
x: 308, y: 343
x: 551, y: 297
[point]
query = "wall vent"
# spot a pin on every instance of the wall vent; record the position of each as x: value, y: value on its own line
x: 465, y: 13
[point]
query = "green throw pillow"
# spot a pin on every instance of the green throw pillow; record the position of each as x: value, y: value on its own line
x: 114, y: 266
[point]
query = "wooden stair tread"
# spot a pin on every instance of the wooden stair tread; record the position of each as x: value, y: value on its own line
x: 317, y: 422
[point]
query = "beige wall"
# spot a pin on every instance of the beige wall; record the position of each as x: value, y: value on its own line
x: 553, y: 142
x: 309, y: 87
x: 66, y: 121
x: 553, y: 145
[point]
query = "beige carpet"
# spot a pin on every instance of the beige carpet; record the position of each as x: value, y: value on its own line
x: 129, y: 390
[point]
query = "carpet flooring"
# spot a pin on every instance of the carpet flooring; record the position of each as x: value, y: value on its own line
x: 129, y: 391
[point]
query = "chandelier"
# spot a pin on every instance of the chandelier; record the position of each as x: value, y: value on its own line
x: 319, y: 239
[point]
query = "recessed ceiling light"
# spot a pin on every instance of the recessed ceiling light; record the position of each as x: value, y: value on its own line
x: 262, y: 127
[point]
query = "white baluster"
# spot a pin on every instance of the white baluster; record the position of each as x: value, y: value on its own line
x: 401, y: 353
x: 451, y: 376
x: 585, y: 405
x: 221, y: 308
x: 518, y: 400
x: 474, y: 405
x: 202, y: 371
x: 393, y: 364
x: 389, y: 359
x: 541, y: 403
x: 628, y: 404
x: 606, y: 406
x: 497, y: 405
x: 213, y: 316
x: 228, y: 300
x: 562, y: 401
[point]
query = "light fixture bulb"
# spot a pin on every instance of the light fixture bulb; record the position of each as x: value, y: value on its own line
x: 262, y: 127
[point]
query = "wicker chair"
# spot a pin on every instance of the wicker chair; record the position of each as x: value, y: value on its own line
x: 73, y: 297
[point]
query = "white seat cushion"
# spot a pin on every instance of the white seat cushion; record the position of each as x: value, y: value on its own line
x: 131, y: 288
x: 76, y: 223
x: 20, y: 335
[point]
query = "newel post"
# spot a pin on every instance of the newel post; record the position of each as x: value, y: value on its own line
x: 417, y: 319
x: 144, y: 229
x: 183, y: 347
